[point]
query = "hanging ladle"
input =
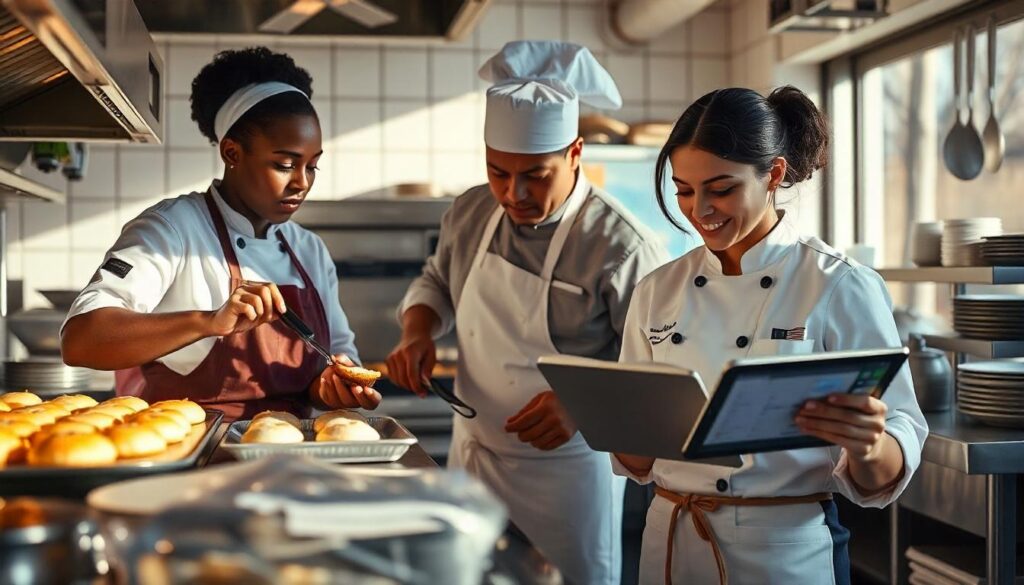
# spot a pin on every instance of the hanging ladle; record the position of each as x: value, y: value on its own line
x: 963, y: 151
x: 992, y: 136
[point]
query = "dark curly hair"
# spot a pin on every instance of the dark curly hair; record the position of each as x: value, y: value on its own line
x: 232, y: 70
x: 741, y: 125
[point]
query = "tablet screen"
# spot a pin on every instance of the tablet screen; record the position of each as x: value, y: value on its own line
x: 761, y: 403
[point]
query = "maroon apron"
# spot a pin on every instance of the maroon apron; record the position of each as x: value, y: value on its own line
x: 265, y: 368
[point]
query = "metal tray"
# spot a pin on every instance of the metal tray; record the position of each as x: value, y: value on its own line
x: 76, y: 482
x: 394, y: 442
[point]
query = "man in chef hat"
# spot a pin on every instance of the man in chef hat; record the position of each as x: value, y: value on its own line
x: 536, y: 262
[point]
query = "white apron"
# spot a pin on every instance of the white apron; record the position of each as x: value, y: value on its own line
x: 566, y: 501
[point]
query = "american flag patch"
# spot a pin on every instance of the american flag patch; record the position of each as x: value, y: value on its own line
x: 794, y: 334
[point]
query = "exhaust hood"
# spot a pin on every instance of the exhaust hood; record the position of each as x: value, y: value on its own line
x: 83, y: 70
x: 379, y: 20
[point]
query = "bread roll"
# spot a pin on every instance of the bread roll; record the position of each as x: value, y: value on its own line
x: 356, y: 375
x: 134, y: 439
x: 133, y: 402
x: 21, y: 426
x: 62, y: 450
x: 269, y: 430
x: 20, y: 399
x: 348, y: 430
x: 336, y: 415
x: 98, y: 420
x: 194, y: 413
x: 174, y: 415
x: 281, y: 416
x: 61, y: 427
x: 4, y: 407
x: 117, y: 411
x: 73, y: 402
x: 163, y: 424
x: 39, y: 416
x: 12, y: 447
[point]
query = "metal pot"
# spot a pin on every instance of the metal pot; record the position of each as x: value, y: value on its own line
x: 933, y: 377
x: 47, y: 541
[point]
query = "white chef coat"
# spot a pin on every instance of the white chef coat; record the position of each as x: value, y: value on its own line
x: 177, y: 264
x: 788, y: 281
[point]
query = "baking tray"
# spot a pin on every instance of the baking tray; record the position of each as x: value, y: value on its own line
x: 394, y: 442
x: 76, y: 482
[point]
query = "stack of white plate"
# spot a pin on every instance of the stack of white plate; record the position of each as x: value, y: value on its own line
x: 1005, y: 250
x: 992, y: 392
x: 948, y: 565
x: 44, y: 376
x: 991, y: 317
x: 961, y: 239
x: 926, y: 247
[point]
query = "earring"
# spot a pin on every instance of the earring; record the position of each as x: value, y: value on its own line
x: 231, y: 167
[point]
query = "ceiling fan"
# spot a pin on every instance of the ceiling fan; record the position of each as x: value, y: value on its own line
x: 361, y: 11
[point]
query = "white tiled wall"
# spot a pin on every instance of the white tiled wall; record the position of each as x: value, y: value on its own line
x: 390, y: 114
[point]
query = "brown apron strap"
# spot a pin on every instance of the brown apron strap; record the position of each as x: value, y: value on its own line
x: 306, y: 280
x: 698, y: 504
x: 225, y: 240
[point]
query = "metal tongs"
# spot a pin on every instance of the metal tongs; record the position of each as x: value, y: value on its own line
x: 293, y: 322
x: 453, y: 401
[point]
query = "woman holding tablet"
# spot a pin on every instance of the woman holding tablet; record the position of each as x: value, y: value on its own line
x: 759, y: 288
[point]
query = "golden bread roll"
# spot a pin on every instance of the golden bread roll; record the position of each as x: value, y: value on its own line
x: 73, y: 402
x: 40, y: 416
x: 163, y: 424
x: 21, y: 426
x: 61, y: 427
x: 281, y: 416
x: 336, y: 415
x: 268, y: 430
x: 134, y: 439
x: 133, y: 402
x: 61, y: 450
x: 20, y: 399
x: 12, y: 447
x: 356, y: 375
x: 174, y: 415
x: 117, y: 411
x: 348, y: 430
x: 4, y: 407
x: 98, y: 420
x: 194, y: 413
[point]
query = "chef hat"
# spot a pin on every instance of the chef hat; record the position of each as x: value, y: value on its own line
x: 534, y: 105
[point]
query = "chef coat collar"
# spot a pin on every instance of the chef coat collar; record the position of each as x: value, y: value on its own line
x: 771, y: 249
x: 235, y: 221
x: 582, y: 186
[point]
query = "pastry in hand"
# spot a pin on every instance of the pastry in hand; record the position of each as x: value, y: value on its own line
x: 281, y: 416
x: 336, y: 415
x: 348, y: 430
x: 268, y: 430
x: 356, y: 375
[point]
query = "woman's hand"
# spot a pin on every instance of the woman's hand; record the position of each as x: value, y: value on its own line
x: 329, y: 389
x: 543, y: 423
x: 250, y: 305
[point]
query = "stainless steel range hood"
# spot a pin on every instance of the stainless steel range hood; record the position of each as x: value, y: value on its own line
x: 440, y: 19
x: 78, y: 70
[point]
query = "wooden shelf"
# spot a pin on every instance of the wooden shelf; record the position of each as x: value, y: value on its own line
x: 950, y: 274
x: 976, y: 347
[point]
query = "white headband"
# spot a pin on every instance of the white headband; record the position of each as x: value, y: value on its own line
x: 243, y: 100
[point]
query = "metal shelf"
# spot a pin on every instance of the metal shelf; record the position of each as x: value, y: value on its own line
x: 976, y: 347
x: 959, y: 275
x: 13, y: 185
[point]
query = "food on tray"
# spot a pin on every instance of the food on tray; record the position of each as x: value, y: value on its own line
x: 98, y: 420
x: 347, y: 430
x: 268, y: 430
x: 38, y: 416
x: 356, y: 375
x: 115, y: 410
x: 4, y: 407
x: 61, y: 427
x: 164, y: 424
x: 133, y: 402
x: 20, y: 399
x: 134, y: 439
x: 12, y: 447
x: 73, y: 402
x: 89, y: 450
x: 336, y: 415
x: 279, y: 415
x: 20, y: 426
x: 193, y: 413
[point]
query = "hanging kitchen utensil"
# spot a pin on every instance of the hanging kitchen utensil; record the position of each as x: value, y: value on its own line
x: 963, y: 152
x: 992, y: 136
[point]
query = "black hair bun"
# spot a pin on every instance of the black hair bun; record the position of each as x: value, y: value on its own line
x: 805, y: 130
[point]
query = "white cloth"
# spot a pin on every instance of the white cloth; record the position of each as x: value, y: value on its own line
x: 177, y: 265
x: 534, y: 105
x: 843, y: 306
x: 566, y: 501
x: 243, y: 100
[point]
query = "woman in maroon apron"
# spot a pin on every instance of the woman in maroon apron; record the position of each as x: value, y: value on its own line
x: 254, y: 104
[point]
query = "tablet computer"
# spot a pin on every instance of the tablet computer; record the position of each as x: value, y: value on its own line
x: 752, y: 409
x: 640, y: 409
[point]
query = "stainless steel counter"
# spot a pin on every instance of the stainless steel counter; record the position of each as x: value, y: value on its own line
x: 957, y: 442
